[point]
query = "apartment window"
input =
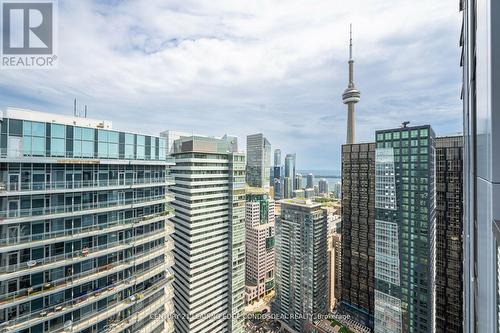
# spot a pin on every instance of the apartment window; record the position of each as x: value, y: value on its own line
x: 57, y: 140
x: 83, y: 145
x: 34, y: 138
x: 129, y: 146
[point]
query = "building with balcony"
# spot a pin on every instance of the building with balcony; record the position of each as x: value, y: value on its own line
x: 209, y: 236
x: 84, y: 226
x: 259, y: 239
x: 301, y: 263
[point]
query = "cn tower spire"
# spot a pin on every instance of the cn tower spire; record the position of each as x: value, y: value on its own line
x: 351, y: 96
x: 350, y: 42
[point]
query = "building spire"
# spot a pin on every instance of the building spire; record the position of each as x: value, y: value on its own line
x: 351, y: 96
x: 350, y: 42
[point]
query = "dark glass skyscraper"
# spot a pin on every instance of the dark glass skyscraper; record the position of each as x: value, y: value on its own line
x: 358, y: 232
x: 405, y: 230
x: 449, y: 228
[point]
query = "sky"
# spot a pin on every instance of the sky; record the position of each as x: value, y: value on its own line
x: 244, y: 67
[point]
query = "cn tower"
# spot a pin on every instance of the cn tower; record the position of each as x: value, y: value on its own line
x: 351, y: 96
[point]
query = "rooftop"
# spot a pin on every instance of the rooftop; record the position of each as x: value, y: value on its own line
x: 308, y: 203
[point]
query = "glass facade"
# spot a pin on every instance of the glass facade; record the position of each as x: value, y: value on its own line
x: 301, y: 263
x: 405, y: 228
x: 358, y: 230
x: 39, y: 139
x: 84, y: 244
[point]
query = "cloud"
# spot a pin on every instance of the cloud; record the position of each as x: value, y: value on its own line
x: 242, y: 67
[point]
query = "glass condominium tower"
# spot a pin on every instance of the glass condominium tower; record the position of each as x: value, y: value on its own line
x: 258, y: 161
x: 209, y: 235
x: 84, y: 232
x: 480, y: 41
x: 405, y: 202
x: 301, y: 263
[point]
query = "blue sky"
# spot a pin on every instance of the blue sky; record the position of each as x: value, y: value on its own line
x: 241, y: 67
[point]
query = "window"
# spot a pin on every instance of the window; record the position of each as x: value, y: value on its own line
x: 57, y: 147
x: 83, y: 145
x: 34, y: 138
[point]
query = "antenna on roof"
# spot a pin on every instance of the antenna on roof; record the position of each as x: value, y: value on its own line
x: 405, y: 124
x: 74, y: 107
x: 350, y: 41
x: 85, y: 111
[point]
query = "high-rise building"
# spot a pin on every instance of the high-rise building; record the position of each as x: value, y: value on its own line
x: 258, y: 160
x: 480, y: 58
x: 310, y: 181
x: 358, y: 232
x: 278, y: 189
x: 449, y: 228
x: 351, y: 96
x: 333, y: 262
x: 287, y: 187
x: 309, y: 193
x: 301, y: 270
x: 299, y: 194
x: 290, y: 166
x: 259, y: 224
x: 170, y: 137
x: 297, y: 185
x: 277, y: 175
x: 338, y: 190
x: 405, y: 202
x: 209, y: 235
x: 278, y: 172
x: 277, y: 157
x: 323, y: 186
x: 84, y: 233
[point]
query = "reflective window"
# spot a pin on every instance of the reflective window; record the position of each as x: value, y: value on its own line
x: 129, y: 139
x: 113, y: 137
x: 102, y: 149
x: 57, y: 131
x: 57, y: 147
x: 88, y: 134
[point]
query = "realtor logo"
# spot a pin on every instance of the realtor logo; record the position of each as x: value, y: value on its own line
x: 28, y: 34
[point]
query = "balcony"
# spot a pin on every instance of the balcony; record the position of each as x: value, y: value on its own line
x: 56, y: 236
x: 80, y: 185
x: 79, y: 302
x: 17, y: 154
x: 76, y: 279
x: 36, y: 213
x: 80, y: 255
x: 151, y: 295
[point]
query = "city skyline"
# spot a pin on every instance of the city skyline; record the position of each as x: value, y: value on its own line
x: 299, y: 87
